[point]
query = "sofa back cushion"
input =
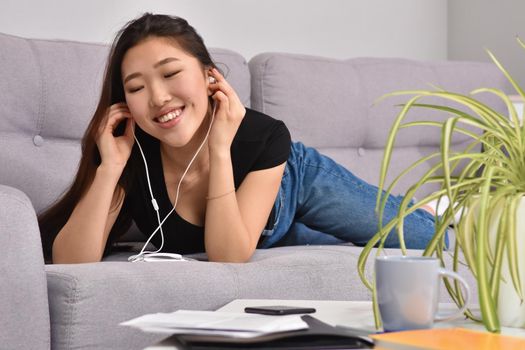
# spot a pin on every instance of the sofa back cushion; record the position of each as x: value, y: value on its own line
x: 49, y: 92
x: 331, y: 105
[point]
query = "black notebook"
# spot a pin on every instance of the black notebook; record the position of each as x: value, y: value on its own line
x: 318, y: 335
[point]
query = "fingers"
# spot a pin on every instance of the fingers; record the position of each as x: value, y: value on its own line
x: 222, y: 101
x: 130, y: 130
x: 219, y: 78
x: 221, y: 84
x: 224, y: 94
x: 115, y: 114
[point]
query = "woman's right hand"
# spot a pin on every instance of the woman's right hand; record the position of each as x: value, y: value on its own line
x: 115, y: 150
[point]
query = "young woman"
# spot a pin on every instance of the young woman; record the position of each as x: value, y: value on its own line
x: 233, y: 175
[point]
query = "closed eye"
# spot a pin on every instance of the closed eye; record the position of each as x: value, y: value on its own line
x: 135, y: 89
x: 169, y: 75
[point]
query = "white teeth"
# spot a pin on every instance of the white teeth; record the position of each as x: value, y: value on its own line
x: 169, y: 116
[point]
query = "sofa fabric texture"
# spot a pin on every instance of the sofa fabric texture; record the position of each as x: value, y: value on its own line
x: 49, y: 90
x: 24, y: 313
x: 333, y: 105
x: 53, y: 94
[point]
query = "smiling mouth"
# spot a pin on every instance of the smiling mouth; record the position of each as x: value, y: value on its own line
x: 169, y: 116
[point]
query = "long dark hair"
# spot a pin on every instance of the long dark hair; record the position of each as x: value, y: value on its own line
x: 148, y: 25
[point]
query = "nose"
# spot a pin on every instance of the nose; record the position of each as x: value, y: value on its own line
x: 159, y: 95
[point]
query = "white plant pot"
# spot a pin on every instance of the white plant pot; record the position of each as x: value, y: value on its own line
x: 511, y: 311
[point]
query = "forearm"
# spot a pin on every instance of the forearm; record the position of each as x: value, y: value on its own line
x: 83, y: 237
x: 226, y: 235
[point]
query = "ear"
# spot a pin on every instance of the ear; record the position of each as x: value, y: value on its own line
x: 209, y: 80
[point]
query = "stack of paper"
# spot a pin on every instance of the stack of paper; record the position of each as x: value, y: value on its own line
x: 216, y: 323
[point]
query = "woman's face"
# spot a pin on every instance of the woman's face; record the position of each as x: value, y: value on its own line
x: 166, y: 90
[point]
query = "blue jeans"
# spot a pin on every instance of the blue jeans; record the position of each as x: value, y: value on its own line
x: 321, y: 202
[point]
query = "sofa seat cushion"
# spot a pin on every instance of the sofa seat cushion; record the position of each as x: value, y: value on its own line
x: 88, y: 299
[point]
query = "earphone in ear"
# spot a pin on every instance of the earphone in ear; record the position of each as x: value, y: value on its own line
x: 212, y: 80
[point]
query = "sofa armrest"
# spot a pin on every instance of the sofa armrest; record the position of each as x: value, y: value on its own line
x: 24, y: 317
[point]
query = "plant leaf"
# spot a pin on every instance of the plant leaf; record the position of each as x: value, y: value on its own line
x: 509, y: 77
x: 488, y: 309
x: 501, y: 242
x: 388, y: 152
x: 512, y: 245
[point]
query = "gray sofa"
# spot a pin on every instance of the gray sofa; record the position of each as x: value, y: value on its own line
x: 48, y: 92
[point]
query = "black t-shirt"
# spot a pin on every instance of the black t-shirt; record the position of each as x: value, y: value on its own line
x: 260, y: 143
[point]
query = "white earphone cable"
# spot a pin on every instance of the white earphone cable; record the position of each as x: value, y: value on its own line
x: 153, y: 202
x: 140, y: 256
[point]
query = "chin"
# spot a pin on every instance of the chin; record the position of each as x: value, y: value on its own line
x: 177, y: 140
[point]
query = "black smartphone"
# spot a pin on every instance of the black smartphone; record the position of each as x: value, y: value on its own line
x: 279, y: 310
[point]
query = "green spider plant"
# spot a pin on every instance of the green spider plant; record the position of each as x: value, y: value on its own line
x: 487, y: 188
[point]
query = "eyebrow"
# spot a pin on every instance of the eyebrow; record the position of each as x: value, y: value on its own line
x: 156, y: 65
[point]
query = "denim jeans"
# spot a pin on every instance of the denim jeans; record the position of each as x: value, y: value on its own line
x: 321, y: 202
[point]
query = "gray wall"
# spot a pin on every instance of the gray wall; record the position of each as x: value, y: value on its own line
x: 419, y: 29
x: 477, y: 24
x: 334, y: 28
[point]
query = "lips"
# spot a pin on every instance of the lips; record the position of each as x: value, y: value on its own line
x: 169, y: 115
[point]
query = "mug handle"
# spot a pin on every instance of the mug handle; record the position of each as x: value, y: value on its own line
x: 448, y: 316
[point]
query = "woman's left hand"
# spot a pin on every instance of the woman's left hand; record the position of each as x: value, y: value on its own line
x: 228, y: 114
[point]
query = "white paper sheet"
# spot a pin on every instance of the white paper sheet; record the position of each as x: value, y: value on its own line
x: 216, y: 323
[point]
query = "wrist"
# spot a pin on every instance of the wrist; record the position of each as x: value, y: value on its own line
x: 107, y: 171
x: 220, y: 155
